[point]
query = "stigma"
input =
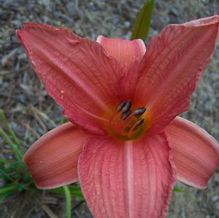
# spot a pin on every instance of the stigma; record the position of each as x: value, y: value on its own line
x: 127, y: 123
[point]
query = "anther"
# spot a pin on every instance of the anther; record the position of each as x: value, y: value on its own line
x: 139, y: 111
x: 138, y: 123
x: 120, y: 106
x: 125, y: 114
x: 124, y: 106
x: 127, y: 124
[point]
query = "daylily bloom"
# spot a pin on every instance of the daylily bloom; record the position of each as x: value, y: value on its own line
x: 125, y: 143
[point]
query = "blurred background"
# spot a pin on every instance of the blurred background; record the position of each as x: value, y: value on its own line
x: 31, y: 112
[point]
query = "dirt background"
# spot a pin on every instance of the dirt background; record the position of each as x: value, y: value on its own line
x: 32, y: 113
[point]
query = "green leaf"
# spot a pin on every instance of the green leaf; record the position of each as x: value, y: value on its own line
x: 3, y: 161
x: 178, y: 189
x: 15, y: 147
x: 63, y: 120
x: 7, y: 189
x: 5, y: 175
x: 143, y: 21
x: 6, y: 126
x: 74, y: 189
x: 4, y: 196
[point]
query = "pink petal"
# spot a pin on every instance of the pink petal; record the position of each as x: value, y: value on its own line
x: 126, y: 52
x: 195, y: 152
x: 173, y: 63
x: 52, y: 160
x: 130, y: 179
x: 76, y: 72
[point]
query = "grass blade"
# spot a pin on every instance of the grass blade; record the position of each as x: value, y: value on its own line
x: 143, y: 21
x: 6, y: 126
x: 67, y: 201
x: 7, y: 189
x: 14, y: 146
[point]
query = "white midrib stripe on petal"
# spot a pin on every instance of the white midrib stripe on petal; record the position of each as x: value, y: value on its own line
x: 130, y: 177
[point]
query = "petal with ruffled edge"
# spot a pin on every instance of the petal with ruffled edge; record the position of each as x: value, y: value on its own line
x: 173, y: 63
x: 52, y: 160
x: 126, y: 52
x: 76, y: 72
x: 130, y: 179
x: 195, y: 152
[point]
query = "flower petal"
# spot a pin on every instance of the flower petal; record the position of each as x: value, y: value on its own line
x: 195, y: 152
x: 52, y: 160
x: 126, y: 52
x: 76, y: 72
x: 130, y: 179
x: 173, y: 63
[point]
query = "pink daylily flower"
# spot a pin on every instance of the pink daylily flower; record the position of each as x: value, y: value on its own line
x: 125, y: 143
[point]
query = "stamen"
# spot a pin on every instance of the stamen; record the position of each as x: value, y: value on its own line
x: 125, y: 115
x: 120, y: 106
x: 137, y: 124
x: 127, y: 124
x: 139, y: 111
x: 124, y: 106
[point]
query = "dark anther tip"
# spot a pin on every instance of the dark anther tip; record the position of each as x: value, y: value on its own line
x: 138, y: 123
x: 127, y: 106
x: 139, y: 111
x: 120, y: 106
x: 125, y: 114
x: 124, y: 106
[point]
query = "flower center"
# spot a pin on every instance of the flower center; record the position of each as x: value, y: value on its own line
x: 127, y: 124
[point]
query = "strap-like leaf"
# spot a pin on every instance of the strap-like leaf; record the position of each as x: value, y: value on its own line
x: 143, y: 21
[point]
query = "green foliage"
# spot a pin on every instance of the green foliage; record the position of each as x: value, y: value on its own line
x: 8, y: 134
x: 74, y: 189
x: 178, y: 189
x: 14, y: 174
x: 143, y: 21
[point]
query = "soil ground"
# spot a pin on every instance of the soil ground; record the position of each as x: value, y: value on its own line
x: 31, y: 112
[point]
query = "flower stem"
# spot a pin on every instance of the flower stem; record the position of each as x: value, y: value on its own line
x: 67, y: 201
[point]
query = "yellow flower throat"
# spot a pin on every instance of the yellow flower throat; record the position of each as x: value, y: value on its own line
x: 126, y: 124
